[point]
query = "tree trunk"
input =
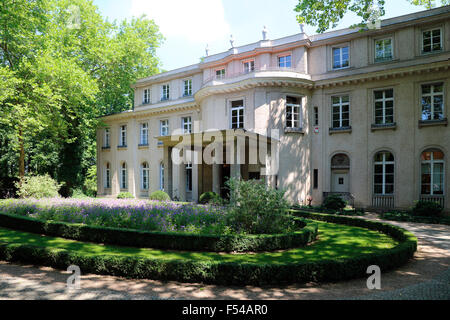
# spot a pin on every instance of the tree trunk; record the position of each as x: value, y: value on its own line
x: 21, y: 157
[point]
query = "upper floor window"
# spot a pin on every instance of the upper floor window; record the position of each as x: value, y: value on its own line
x: 165, y: 92
x: 433, y: 172
x: 107, y: 138
x: 237, y: 114
x: 146, y: 98
x: 384, y: 173
x: 144, y: 134
x: 187, y: 88
x: 285, y: 61
x: 383, y: 50
x: 341, y: 112
x: 384, y: 106
x: 433, y: 101
x: 432, y: 40
x: 164, y: 128
x: 220, y: 73
x: 341, y: 57
x: 123, y: 136
x: 249, y: 66
x: 186, y: 124
x: 293, y: 112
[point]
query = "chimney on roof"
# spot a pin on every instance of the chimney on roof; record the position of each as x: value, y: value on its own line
x: 232, y: 41
x: 207, y: 50
x: 264, y: 33
x: 302, y: 28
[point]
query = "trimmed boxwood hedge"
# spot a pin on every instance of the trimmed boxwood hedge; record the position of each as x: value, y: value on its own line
x: 229, y: 273
x: 165, y: 241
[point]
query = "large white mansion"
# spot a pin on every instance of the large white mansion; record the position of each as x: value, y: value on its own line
x: 362, y: 114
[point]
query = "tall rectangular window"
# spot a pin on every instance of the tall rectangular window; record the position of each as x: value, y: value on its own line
x: 341, y: 57
x: 293, y: 112
x: 341, y: 112
x: 285, y: 61
x: 384, y: 106
x: 187, y: 88
x: 237, y: 114
x: 220, y: 74
x: 433, y: 101
x: 107, y: 138
x: 161, y: 176
x: 164, y: 128
x: 123, y: 136
x: 189, y: 177
x: 165, y: 92
x: 316, y: 179
x: 186, y: 124
x: 249, y: 66
x: 383, y: 50
x: 144, y: 134
x: 107, y: 184
x: 146, y: 98
x: 316, y: 116
x: 432, y: 40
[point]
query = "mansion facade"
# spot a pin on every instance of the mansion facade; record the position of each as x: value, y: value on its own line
x: 360, y: 114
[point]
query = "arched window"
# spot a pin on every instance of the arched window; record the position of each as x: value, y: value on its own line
x: 107, y: 176
x: 384, y: 164
x: 123, y: 176
x: 145, y: 173
x: 432, y: 172
x: 161, y: 176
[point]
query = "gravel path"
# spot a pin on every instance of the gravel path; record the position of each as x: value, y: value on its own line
x: 427, y: 277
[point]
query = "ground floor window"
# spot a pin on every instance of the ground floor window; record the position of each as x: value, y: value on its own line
x: 384, y: 165
x: 432, y: 172
x: 108, y: 176
x: 189, y: 177
x: 145, y: 173
x: 123, y: 176
x: 161, y: 176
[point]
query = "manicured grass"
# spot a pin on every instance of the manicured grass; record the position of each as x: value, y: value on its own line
x: 335, y: 242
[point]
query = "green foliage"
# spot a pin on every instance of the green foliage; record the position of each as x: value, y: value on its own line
x: 255, y: 208
x: 90, y: 184
x: 125, y: 195
x: 159, y: 196
x: 326, y: 14
x: 427, y: 209
x: 209, y: 198
x: 334, y: 202
x: 38, y: 187
x: 407, y: 216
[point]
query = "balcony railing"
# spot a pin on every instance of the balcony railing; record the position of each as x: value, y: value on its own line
x: 434, y: 198
x: 243, y: 73
x: 383, y: 202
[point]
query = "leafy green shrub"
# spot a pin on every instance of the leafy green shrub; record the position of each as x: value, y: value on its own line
x: 159, y: 196
x: 334, y: 202
x: 255, y: 208
x: 125, y: 195
x: 209, y: 197
x: 90, y: 184
x: 38, y: 187
x: 427, y: 209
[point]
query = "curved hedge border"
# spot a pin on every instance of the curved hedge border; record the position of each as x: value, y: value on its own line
x: 165, y: 241
x: 228, y: 273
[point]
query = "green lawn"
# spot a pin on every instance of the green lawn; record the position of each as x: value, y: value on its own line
x: 335, y: 241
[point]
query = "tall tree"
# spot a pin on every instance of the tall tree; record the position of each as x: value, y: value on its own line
x: 326, y: 14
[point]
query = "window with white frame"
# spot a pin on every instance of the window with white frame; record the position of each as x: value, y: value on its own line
x: 285, y: 61
x: 432, y: 40
x: 384, y: 106
x: 341, y: 57
x: 165, y: 92
x: 145, y: 173
x: 237, y: 114
x: 433, y: 101
x: 146, y: 98
x: 164, y: 128
x: 189, y: 177
x: 123, y: 136
x: 107, y: 181
x: 433, y: 168
x: 187, y: 84
x: 340, y: 112
x: 293, y: 112
x: 220, y: 73
x: 123, y: 176
x: 384, y: 166
x: 144, y: 134
x: 186, y: 124
x: 161, y: 176
x: 384, y: 50
x: 249, y: 66
x: 107, y: 138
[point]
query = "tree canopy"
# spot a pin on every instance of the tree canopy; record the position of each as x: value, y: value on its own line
x: 326, y: 14
x: 62, y: 66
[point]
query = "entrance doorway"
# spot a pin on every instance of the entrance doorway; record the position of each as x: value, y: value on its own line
x: 340, y: 174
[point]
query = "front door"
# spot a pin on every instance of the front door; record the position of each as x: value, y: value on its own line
x: 340, y: 182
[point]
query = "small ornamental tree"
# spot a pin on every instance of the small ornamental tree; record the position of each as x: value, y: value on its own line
x: 38, y: 187
x: 160, y: 196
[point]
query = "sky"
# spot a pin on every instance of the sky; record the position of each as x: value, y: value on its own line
x: 189, y: 25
